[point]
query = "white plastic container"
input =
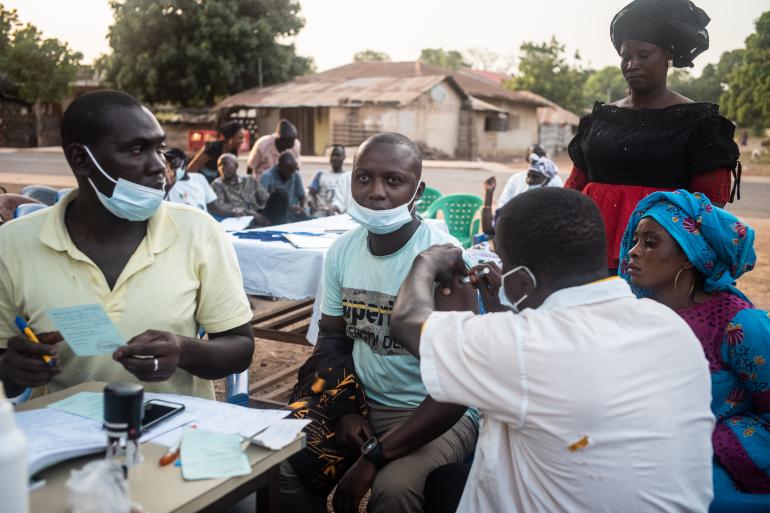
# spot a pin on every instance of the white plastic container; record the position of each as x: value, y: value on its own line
x: 14, y: 481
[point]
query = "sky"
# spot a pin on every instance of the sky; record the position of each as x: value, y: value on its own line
x: 336, y: 29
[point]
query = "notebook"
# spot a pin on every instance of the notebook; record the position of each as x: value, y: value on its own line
x: 54, y: 436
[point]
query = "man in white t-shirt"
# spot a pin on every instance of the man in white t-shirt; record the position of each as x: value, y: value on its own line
x: 591, y: 400
x: 328, y: 190
x: 189, y: 188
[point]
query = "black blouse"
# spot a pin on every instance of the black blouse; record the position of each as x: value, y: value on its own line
x: 653, y: 147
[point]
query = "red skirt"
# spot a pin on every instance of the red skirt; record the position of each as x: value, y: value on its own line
x: 616, y: 203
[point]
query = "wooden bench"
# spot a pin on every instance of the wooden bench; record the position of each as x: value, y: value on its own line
x: 286, y: 324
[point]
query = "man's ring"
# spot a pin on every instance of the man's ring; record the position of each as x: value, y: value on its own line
x: 155, y: 365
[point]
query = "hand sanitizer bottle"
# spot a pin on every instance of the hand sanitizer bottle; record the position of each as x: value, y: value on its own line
x: 14, y: 480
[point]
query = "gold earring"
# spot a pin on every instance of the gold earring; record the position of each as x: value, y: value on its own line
x: 676, y: 279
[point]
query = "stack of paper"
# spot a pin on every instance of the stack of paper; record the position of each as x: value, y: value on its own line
x: 54, y: 436
x: 310, y: 241
x: 210, y: 455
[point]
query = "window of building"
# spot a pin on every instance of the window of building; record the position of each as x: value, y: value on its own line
x: 496, y: 122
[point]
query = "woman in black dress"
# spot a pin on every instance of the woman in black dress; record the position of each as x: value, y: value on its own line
x: 654, y: 139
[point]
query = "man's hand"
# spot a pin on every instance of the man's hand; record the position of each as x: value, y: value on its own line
x: 488, y: 285
x: 353, y: 486
x: 151, y: 346
x: 259, y: 219
x: 352, y: 431
x: 442, y: 261
x: 22, y: 362
x: 296, y: 209
x: 490, y: 184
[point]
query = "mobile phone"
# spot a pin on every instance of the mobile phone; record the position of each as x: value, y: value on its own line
x: 156, y: 411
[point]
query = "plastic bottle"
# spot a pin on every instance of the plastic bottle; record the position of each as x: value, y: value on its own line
x: 13, y: 461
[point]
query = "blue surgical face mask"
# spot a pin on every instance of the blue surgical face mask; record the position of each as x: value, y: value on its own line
x: 501, y: 292
x: 129, y: 200
x: 382, y: 221
x: 180, y: 173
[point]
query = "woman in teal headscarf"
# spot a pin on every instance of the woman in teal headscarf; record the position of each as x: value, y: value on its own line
x: 684, y: 252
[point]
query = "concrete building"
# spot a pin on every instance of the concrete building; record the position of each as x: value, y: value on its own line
x: 451, y: 114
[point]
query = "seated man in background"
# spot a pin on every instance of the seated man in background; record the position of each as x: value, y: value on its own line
x: 205, y: 161
x: 374, y: 425
x: 159, y: 270
x: 284, y: 176
x: 593, y: 400
x: 189, y: 188
x: 264, y: 154
x: 326, y: 192
x: 241, y: 195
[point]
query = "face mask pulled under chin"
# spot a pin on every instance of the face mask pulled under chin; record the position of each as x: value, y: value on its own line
x: 382, y: 221
x: 514, y: 306
x: 129, y: 200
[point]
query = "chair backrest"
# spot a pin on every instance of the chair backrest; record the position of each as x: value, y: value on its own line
x: 429, y: 195
x: 8, y: 204
x: 28, y: 208
x: 61, y: 193
x: 42, y: 193
x: 458, y: 211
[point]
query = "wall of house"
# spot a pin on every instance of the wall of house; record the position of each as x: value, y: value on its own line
x: 513, y: 143
x: 432, y: 120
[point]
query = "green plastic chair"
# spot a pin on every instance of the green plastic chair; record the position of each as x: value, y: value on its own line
x: 458, y: 210
x: 429, y: 195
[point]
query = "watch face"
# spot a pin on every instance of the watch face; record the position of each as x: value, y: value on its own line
x: 369, y: 445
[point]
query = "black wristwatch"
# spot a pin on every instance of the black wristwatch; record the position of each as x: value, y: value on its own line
x: 372, y: 451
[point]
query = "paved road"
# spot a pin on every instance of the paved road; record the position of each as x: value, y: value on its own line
x: 21, y: 165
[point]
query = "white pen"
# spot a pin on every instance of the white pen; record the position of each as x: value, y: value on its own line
x: 482, y: 272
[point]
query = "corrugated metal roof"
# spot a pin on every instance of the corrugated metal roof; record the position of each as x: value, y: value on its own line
x: 483, y: 106
x: 552, y: 113
x: 327, y: 92
x: 377, y: 83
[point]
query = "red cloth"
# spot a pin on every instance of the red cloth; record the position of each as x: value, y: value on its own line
x: 714, y: 184
x: 617, y: 202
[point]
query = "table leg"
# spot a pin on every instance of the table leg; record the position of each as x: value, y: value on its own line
x: 268, y: 496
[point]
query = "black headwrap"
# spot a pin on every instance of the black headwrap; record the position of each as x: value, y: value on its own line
x: 675, y: 25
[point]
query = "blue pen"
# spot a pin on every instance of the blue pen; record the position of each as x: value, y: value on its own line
x: 26, y: 330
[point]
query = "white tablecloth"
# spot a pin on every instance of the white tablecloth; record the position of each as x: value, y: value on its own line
x: 278, y: 269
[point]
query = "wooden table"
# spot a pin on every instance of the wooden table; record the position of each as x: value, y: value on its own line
x: 162, y: 489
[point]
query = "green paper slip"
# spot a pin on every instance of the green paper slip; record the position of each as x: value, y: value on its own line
x: 210, y: 455
x: 87, y: 329
x: 85, y: 404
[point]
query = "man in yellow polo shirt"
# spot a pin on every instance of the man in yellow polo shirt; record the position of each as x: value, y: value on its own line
x: 159, y: 270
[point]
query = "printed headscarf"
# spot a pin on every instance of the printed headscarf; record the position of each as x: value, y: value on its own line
x: 542, y: 165
x: 716, y: 242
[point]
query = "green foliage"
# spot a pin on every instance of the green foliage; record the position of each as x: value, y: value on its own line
x: 543, y: 69
x: 450, y: 59
x: 606, y: 85
x: 192, y: 52
x: 369, y: 55
x: 43, y: 68
x: 747, y: 99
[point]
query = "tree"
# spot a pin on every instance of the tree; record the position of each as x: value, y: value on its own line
x: 487, y: 60
x: 192, y: 52
x: 450, y: 59
x: 41, y: 68
x: 606, y: 85
x: 747, y: 99
x: 543, y: 69
x: 371, y: 56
